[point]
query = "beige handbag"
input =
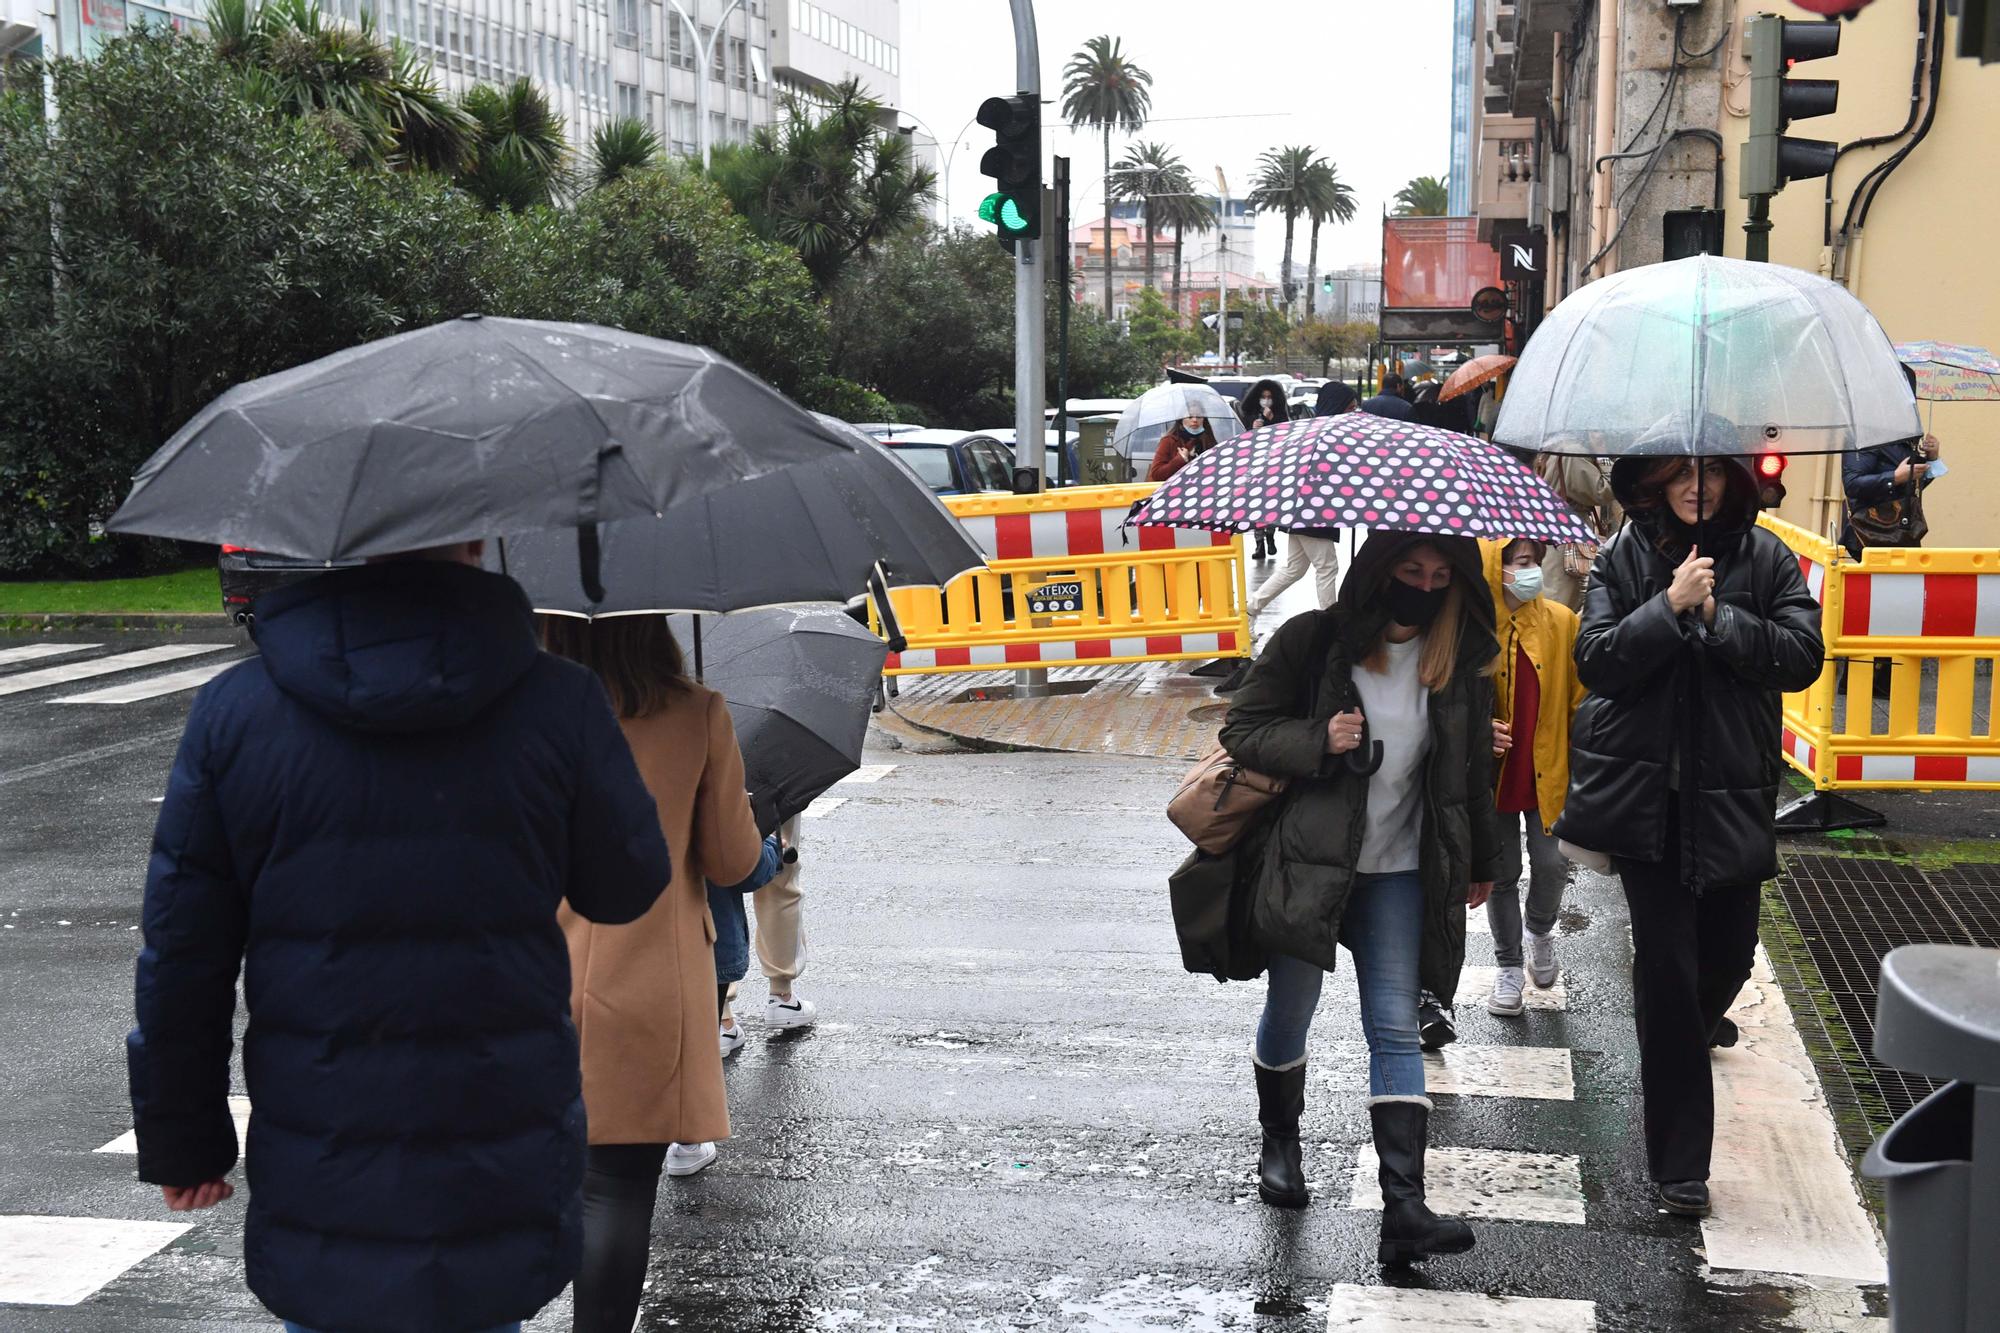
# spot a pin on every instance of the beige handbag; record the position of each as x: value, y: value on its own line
x: 1218, y: 799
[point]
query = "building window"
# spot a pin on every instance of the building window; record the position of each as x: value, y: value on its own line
x: 628, y: 101
x: 680, y: 51
x: 739, y: 131
x: 680, y: 129
x: 739, y: 62
x: 716, y: 70
x: 628, y: 22
x: 656, y: 113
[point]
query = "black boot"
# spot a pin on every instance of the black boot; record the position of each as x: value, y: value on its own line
x: 1409, y: 1229
x: 1281, y: 1100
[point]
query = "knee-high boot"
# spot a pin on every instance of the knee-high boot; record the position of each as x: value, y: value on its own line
x: 617, y: 1240
x: 1410, y: 1230
x: 1281, y: 1100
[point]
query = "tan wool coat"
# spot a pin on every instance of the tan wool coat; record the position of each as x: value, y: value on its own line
x: 643, y: 995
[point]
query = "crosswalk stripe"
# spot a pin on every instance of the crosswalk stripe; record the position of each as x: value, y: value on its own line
x: 128, y: 1142
x: 135, y: 691
x: 824, y: 806
x: 104, y: 666
x: 1501, y: 1071
x: 868, y: 773
x: 1476, y: 983
x: 29, y: 652
x: 1486, y: 1182
x: 62, y: 1260
x: 1352, y: 1309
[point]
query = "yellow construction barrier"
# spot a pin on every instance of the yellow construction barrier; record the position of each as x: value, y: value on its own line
x: 1909, y: 607
x: 1067, y: 583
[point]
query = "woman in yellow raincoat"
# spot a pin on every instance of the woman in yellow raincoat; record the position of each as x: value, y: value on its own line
x: 1535, y: 693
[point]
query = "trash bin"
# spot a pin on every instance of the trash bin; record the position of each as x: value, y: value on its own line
x: 1937, y: 1013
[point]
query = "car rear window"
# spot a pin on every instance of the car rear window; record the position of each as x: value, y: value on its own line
x: 932, y: 462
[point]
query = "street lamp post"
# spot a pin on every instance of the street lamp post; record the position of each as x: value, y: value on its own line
x: 704, y: 62
x: 943, y: 156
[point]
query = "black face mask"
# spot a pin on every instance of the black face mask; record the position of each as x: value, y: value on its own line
x: 1415, y: 607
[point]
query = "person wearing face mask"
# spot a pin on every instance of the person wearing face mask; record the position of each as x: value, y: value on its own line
x: 1696, y: 622
x: 1535, y: 692
x: 1183, y: 440
x: 1379, y: 714
x: 1264, y: 405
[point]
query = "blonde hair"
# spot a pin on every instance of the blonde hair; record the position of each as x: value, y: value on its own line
x: 1439, y: 657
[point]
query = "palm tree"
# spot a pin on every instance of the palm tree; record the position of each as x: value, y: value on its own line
x: 824, y: 179
x: 622, y: 145
x: 1185, y: 211
x: 1144, y: 173
x: 378, y: 102
x: 1103, y: 90
x: 1424, y: 197
x: 1331, y: 200
x: 1285, y: 183
x: 520, y: 158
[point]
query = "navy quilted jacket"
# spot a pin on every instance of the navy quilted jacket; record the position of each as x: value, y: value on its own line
x: 375, y: 819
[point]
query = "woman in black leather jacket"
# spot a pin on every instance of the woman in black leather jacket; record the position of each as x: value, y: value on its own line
x: 1675, y: 767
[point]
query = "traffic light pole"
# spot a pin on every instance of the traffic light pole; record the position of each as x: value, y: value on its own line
x: 1030, y: 291
x: 1757, y: 230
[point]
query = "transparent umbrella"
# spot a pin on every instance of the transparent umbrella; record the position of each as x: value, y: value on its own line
x: 1788, y: 360
x: 1142, y: 424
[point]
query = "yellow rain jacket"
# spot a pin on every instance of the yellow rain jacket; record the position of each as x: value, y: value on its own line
x: 1546, y: 631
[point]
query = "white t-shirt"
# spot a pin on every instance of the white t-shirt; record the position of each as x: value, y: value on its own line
x: 1398, y: 708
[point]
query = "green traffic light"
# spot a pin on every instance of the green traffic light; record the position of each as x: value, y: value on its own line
x: 1004, y: 212
x: 989, y: 207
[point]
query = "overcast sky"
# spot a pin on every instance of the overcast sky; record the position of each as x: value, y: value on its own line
x: 1367, y: 82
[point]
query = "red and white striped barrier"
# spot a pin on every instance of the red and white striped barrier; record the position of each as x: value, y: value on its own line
x: 1802, y: 751
x: 1065, y: 652
x: 1941, y: 769
x: 1815, y: 574
x: 1928, y: 606
x: 1059, y: 533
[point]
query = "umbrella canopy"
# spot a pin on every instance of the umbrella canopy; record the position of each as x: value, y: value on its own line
x: 1474, y: 374
x: 1952, y: 372
x: 1789, y: 359
x: 468, y: 429
x: 1142, y: 424
x: 800, y: 682
x: 811, y: 533
x: 1360, y: 470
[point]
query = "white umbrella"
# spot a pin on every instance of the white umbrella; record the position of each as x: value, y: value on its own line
x: 1143, y: 423
x: 1768, y: 358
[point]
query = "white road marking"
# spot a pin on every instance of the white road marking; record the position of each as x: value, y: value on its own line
x: 62, y: 1260
x: 1351, y: 1309
x: 824, y: 806
x: 104, y: 666
x: 1476, y: 983
x: 239, y: 1110
x: 1501, y: 1071
x: 171, y: 683
x: 867, y: 773
x: 1784, y: 1196
x: 1485, y: 1182
x: 1476, y: 922
x: 28, y: 652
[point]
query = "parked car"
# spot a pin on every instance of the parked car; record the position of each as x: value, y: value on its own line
x: 1060, y: 464
x: 956, y: 462
x: 882, y: 430
x: 245, y: 575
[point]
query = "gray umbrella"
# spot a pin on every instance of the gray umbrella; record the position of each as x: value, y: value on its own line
x: 468, y: 429
x: 800, y: 682
x: 813, y: 533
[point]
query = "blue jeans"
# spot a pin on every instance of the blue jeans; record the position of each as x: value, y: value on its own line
x: 290, y: 1327
x: 1383, y: 928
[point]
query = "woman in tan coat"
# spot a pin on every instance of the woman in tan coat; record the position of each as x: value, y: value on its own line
x: 643, y: 995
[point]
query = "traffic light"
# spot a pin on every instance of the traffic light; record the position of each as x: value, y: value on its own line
x: 1326, y: 285
x: 1015, y: 164
x: 1770, y: 157
x: 1771, y: 480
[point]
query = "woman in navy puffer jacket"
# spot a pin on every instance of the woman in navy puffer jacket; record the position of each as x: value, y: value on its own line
x: 377, y: 818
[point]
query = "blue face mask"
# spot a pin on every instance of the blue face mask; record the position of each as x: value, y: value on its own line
x: 1196, y: 429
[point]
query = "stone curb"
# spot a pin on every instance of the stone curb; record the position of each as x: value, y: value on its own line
x: 50, y: 621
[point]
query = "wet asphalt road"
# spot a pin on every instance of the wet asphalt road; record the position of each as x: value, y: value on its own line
x: 1016, y: 1112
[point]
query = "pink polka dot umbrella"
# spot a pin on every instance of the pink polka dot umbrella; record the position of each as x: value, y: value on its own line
x: 1359, y: 470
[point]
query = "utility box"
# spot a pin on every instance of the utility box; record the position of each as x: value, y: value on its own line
x: 1937, y: 1012
x: 1098, y: 463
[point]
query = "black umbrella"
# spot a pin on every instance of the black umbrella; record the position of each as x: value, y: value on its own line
x: 800, y: 683
x: 468, y: 429
x: 812, y: 533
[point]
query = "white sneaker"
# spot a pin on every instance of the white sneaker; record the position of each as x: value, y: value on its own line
x: 1542, y: 969
x: 731, y: 1039
x: 792, y: 1013
x: 1506, y: 998
x: 684, y: 1159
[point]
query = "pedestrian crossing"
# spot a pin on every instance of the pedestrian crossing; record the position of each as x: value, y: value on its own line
x: 91, y: 668
x: 865, y: 775
x: 64, y: 1260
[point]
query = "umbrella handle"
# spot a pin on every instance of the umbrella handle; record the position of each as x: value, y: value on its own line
x: 878, y: 588
x: 587, y: 562
x: 1359, y: 766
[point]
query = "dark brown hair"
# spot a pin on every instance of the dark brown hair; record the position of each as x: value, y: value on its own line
x: 1649, y: 492
x: 637, y: 658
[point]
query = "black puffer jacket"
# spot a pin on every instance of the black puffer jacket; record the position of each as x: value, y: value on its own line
x: 1670, y: 698
x: 1277, y: 725
x: 1250, y: 407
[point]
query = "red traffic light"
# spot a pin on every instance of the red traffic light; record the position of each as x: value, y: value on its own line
x: 1771, y: 466
x: 1834, y: 8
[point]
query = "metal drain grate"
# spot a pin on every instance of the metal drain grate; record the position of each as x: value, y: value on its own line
x: 1851, y: 911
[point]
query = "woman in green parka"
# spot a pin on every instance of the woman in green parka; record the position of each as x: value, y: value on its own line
x: 1383, y: 857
